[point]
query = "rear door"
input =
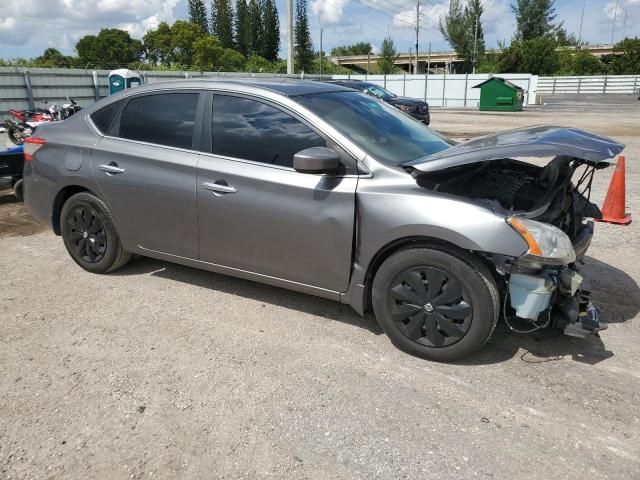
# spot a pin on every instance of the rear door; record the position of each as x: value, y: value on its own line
x: 256, y: 213
x: 146, y: 169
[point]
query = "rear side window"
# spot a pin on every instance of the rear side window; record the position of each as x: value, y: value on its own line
x: 163, y: 119
x: 103, y: 118
x: 252, y: 130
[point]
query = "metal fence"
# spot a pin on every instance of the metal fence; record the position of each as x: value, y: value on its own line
x: 26, y: 88
x: 593, y: 85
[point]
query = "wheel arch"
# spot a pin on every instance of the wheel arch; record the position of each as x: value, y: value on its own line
x: 412, y: 242
x: 60, y: 199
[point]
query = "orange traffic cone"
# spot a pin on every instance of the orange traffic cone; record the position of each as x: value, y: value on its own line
x: 614, y: 203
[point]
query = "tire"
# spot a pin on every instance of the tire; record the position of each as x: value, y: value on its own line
x: 447, y: 321
x: 18, y: 189
x: 90, y: 236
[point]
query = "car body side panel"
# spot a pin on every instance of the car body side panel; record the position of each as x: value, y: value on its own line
x: 62, y: 162
x: 392, y: 207
x: 279, y: 222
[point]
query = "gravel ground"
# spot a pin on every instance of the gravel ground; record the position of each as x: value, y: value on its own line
x: 163, y: 371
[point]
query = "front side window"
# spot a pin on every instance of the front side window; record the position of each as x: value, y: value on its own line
x: 252, y: 130
x: 164, y: 119
x: 378, y: 128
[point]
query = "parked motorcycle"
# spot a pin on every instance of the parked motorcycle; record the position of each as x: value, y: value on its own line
x: 25, y: 121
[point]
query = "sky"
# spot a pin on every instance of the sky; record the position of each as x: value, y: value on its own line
x: 28, y: 27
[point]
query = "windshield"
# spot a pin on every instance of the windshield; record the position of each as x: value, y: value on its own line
x: 380, y: 92
x: 381, y: 130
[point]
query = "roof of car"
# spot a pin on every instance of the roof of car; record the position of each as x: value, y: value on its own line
x: 285, y: 86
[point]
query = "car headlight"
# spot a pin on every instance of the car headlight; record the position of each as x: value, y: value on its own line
x: 406, y: 108
x: 546, y: 242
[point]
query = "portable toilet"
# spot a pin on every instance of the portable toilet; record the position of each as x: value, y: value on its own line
x: 122, y: 79
x: 498, y: 94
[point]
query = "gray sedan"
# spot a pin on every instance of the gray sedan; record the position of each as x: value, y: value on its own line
x: 324, y: 190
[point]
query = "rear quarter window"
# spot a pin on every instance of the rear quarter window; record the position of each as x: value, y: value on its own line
x: 104, y: 117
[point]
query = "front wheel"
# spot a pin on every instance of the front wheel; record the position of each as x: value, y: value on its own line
x: 435, y: 303
x: 89, y: 234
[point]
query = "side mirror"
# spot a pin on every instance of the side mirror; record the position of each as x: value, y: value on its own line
x: 316, y: 160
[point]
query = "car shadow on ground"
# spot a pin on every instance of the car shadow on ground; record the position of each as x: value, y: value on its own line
x: 616, y: 294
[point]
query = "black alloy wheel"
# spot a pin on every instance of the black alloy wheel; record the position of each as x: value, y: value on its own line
x: 87, y: 235
x: 430, y: 306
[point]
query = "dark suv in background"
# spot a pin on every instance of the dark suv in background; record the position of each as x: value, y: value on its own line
x: 416, y: 108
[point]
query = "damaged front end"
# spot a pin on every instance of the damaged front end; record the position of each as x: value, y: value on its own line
x: 548, y: 206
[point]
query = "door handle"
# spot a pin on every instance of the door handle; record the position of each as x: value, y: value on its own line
x: 218, y: 187
x: 111, y: 169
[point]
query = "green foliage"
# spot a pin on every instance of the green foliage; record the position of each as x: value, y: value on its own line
x: 157, y: 45
x: 258, y: 64
x: 198, y: 14
x: 537, y: 56
x: 183, y: 37
x: 388, y: 57
x: 222, y: 22
x: 579, y: 62
x: 271, y: 31
x: 110, y: 48
x: 52, y: 58
x: 459, y: 29
x: 254, y: 27
x: 241, y: 27
x: 209, y: 54
x: 626, y: 58
x: 360, y: 48
x: 302, y: 38
x: 534, y: 19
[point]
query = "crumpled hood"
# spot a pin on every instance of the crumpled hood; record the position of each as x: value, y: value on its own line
x: 540, y: 141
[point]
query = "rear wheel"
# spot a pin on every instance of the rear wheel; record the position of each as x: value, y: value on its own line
x: 89, y: 234
x: 435, y: 303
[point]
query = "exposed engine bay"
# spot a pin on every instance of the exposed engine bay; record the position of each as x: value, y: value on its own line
x: 535, y: 294
x: 546, y: 194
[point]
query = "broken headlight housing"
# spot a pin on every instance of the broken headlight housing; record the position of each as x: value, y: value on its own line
x: 547, y: 244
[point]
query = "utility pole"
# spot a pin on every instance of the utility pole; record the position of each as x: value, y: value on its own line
x: 624, y: 24
x: 320, y: 53
x: 615, y: 14
x: 415, y: 70
x: 290, y: 37
x: 475, y: 46
x: 584, y: 5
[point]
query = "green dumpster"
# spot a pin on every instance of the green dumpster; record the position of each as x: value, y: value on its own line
x: 498, y: 94
x: 122, y: 79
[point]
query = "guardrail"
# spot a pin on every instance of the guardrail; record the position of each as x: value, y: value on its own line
x: 594, y: 85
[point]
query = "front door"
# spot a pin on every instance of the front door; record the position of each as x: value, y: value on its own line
x: 146, y: 170
x: 256, y: 213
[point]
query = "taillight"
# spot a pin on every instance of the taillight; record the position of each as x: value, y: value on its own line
x: 31, y: 146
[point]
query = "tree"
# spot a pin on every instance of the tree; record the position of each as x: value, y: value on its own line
x: 209, y: 54
x: 198, y: 14
x: 52, y: 58
x: 271, y: 31
x: 110, y: 48
x: 222, y: 22
x: 626, y: 57
x: 258, y: 64
x: 579, y: 62
x: 157, y: 45
x: 303, y: 47
x: 255, y: 27
x: 242, y: 28
x: 534, y: 19
x: 537, y: 56
x: 388, y: 56
x: 184, y: 36
x: 360, y: 48
x: 459, y: 29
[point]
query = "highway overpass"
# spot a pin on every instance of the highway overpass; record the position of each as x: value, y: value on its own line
x: 435, y: 62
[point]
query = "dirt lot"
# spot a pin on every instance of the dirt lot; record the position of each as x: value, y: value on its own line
x: 162, y: 371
